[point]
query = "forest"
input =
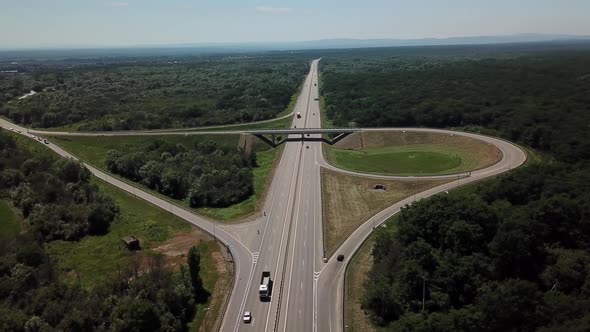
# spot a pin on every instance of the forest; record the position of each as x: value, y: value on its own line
x: 151, y: 93
x: 55, y: 195
x: 540, y: 99
x: 514, y: 255
x: 509, y: 254
x: 205, y: 174
x: 58, y: 202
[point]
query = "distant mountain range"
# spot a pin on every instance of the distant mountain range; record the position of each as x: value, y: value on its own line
x: 208, y: 48
x: 477, y: 40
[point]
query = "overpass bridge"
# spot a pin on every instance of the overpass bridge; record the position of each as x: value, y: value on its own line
x: 276, y: 137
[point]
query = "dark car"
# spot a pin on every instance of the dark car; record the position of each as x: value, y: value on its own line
x: 340, y: 258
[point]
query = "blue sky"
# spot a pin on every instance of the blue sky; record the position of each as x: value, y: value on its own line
x: 40, y: 23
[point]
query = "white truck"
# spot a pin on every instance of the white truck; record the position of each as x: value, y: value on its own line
x: 265, y: 286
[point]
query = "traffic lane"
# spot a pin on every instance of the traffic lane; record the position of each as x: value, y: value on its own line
x: 297, y: 313
x: 315, y: 149
x: 274, y: 237
x: 302, y: 317
x: 270, y: 256
x: 299, y: 273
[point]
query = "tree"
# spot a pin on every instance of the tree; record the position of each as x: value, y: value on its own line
x: 100, y: 218
x: 194, y: 265
x: 135, y: 315
x: 510, y: 305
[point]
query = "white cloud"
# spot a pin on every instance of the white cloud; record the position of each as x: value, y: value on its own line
x: 119, y: 4
x: 272, y: 10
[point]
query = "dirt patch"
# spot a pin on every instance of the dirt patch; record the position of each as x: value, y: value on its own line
x: 355, y: 196
x: 220, y: 262
x: 174, y: 250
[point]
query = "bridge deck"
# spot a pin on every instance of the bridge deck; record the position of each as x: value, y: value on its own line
x: 302, y: 131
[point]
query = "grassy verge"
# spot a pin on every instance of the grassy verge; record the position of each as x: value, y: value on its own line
x: 9, y: 222
x: 93, y: 150
x: 396, y: 153
x: 357, y: 274
x: 293, y: 100
x: 217, y: 283
x: 356, y: 196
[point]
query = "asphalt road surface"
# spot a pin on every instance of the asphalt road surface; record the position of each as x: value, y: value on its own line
x: 286, y: 237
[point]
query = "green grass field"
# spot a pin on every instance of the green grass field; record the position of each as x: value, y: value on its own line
x: 393, y: 160
x: 95, y: 258
x: 411, y: 153
x: 9, y: 222
x: 93, y: 150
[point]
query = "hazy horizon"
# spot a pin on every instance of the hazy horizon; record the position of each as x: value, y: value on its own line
x: 101, y: 23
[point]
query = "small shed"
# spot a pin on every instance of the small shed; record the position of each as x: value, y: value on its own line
x: 131, y: 242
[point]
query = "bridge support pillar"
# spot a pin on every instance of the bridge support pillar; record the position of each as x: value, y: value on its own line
x: 268, y: 141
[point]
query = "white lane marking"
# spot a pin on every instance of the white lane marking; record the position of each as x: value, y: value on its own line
x: 275, y: 188
x: 301, y: 163
x: 316, y: 275
x: 290, y: 201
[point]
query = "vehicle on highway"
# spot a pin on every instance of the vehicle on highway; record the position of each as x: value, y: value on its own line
x: 18, y: 131
x: 340, y: 258
x: 265, y: 286
x: 45, y: 141
x: 298, y: 115
x: 247, y: 317
x: 11, y: 128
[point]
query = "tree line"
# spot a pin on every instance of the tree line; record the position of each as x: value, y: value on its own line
x: 57, y: 201
x: 540, y: 99
x: 149, y: 94
x: 205, y: 174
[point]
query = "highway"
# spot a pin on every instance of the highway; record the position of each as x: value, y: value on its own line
x: 286, y: 237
